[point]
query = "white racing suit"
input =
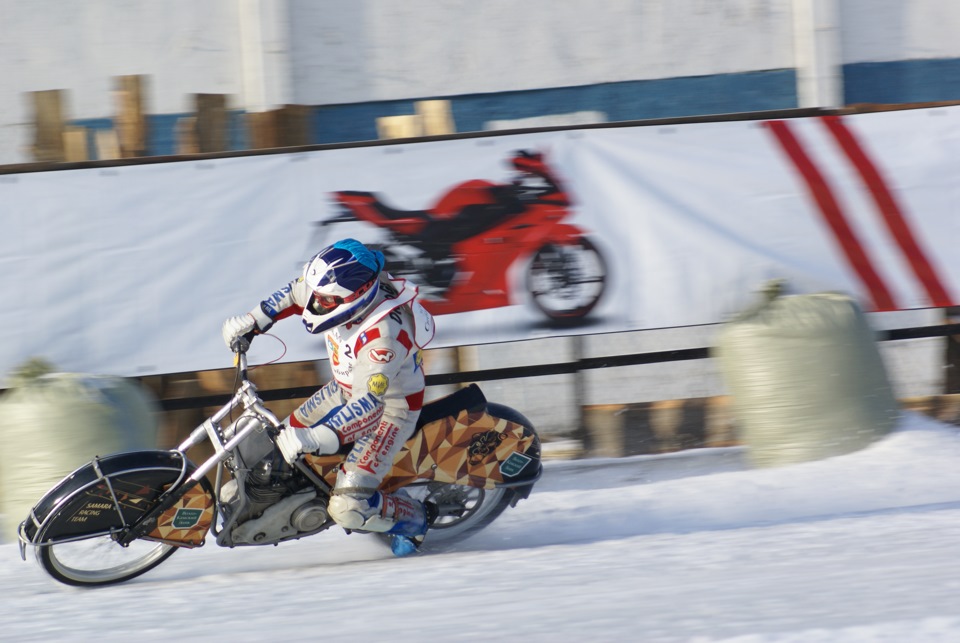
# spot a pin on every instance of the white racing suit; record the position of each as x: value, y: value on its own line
x: 373, y: 401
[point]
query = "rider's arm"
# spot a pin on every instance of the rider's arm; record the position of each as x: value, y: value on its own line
x: 285, y: 302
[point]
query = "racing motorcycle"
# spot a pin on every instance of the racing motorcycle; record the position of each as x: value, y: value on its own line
x: 121, y: 515
x: 461, y: 251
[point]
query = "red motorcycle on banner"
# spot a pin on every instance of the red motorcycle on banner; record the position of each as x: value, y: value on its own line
x: 463, y: 251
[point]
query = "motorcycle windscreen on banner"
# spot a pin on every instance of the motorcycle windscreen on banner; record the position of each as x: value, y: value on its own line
x: 130, y: 270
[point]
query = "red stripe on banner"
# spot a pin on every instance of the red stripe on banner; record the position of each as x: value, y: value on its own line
x: 823, y: 196
x: 892, y: 214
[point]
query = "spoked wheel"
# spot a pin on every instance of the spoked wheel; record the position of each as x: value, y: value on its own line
x: 100, y: 560
x: 463, y: 511
x: 76, y: 525
x: 567, y: 280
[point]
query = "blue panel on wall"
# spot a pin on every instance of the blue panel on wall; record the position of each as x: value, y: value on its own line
x: 355, y: 122
x: 666, y: 98
x: 903, y: 81
x: 162, y: 132
x: 638, y: 100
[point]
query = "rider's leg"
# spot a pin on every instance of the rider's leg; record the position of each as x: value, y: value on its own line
x: 358, y: 505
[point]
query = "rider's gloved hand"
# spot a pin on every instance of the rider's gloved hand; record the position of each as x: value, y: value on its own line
x: 236, y: 327
x: 319, y: 439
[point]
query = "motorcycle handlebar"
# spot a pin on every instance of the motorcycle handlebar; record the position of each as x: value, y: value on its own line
x: 240, y: 346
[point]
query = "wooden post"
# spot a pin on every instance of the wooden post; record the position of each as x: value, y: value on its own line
x: 212, y: 122
x: 436, y: 117
x: 48, y: 115
x: 293, y: 125
x: 130, y: 120
x: 951, y: 380
x: 288, y: 126
x: 261, y: 130
x: 187, y: 135
x: 75, y: 144
x: 108, y: 144
x: 406, y: 126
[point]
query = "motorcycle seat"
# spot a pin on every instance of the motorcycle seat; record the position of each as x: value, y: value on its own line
x: 388, y: 212
x: 470, y: 398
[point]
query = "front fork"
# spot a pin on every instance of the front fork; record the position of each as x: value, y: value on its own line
x: 210, y: 429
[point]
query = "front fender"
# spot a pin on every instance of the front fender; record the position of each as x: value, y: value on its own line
x: 113, y: 492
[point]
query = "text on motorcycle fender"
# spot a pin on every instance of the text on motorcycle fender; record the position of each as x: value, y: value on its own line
x: 187, y: 518
x: 513, y: 465
x: 90, y: 510
x: 483, y: 444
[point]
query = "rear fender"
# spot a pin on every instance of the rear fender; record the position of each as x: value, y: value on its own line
x: 482, y: 445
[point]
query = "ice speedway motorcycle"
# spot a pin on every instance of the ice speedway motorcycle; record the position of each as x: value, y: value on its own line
x: 461, y: 251
x: 123, y: 514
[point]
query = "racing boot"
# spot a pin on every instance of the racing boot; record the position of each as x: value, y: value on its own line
x: 407, y: 536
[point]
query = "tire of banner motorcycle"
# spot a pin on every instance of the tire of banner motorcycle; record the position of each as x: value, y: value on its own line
x: 574, y: 315
x: 153, y: 554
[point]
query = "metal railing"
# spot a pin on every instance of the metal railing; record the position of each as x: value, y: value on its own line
x: 539, y: 370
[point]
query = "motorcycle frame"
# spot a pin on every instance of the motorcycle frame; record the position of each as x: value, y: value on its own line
x: 211, y: 429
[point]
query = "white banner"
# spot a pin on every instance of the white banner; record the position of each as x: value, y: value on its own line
x: 130, y: 270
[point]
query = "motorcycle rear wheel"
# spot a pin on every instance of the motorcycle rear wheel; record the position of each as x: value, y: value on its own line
x: 100, y: 560
x: 463, y: 511
x: 566, y: 281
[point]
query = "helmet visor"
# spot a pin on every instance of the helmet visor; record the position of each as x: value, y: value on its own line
x: 329, y: 302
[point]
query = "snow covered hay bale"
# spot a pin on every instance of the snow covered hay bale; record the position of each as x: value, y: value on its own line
x: 806, y: 379
x: 51, y: 423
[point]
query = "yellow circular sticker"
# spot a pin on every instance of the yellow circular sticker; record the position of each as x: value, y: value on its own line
x: 377, y: 384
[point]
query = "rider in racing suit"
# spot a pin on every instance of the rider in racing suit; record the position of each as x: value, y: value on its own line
x: 374, y: 330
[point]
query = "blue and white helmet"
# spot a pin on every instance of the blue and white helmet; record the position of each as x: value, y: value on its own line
x: 345, y: 280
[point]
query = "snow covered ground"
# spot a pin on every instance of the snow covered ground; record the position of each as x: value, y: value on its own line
x: 686, y: 547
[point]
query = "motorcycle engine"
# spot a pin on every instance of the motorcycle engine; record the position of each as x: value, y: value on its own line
x: 299, y: 513
x: 266, y: 501
x: 310, y: 515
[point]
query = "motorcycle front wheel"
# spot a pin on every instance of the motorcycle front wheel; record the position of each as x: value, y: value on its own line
x: 74, y: 528
x: 566, y: 281
x: 100, y: 560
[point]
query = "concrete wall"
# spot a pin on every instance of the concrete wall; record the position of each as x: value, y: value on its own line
x: 383, y: 50
x: 498, y: 60
x: 893, y: 30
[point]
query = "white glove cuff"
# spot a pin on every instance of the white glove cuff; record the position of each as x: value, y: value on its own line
x: 261, y: 319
